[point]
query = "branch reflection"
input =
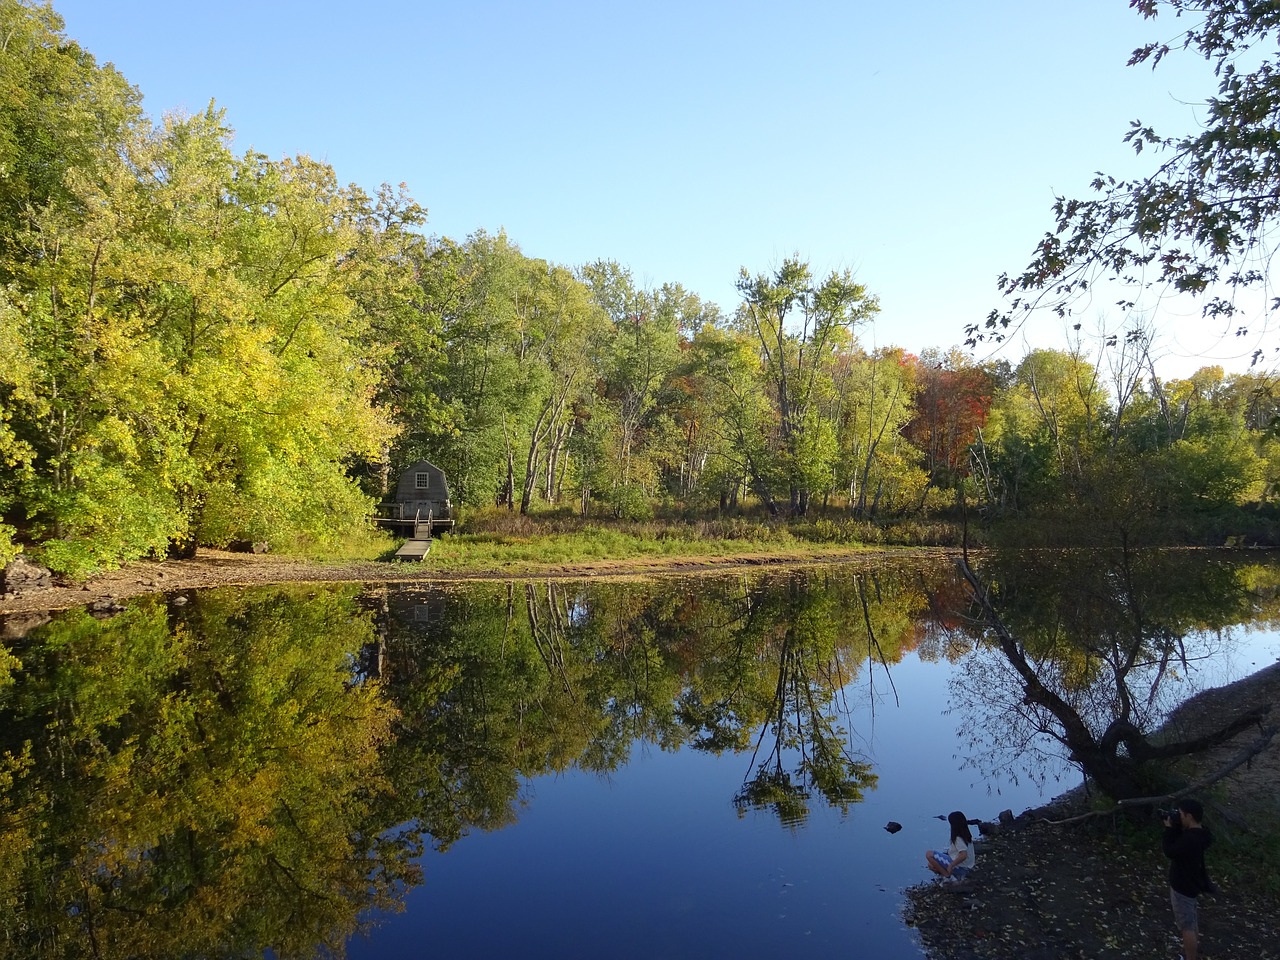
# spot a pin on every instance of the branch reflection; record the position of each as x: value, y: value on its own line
x: 1086, y: 652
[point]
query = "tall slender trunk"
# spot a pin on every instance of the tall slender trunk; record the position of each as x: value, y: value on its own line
x: 548, y: 416
x: 563, y: 465
x: 509, y: 487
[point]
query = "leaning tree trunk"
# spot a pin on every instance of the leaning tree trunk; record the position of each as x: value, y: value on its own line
x: 548, y: 417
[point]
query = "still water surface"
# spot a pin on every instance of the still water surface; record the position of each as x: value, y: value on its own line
x: 671, y: 768
x: 653, y: 860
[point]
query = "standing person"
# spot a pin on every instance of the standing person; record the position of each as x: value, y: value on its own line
x: 1185, y: 841
x: 957, y: 860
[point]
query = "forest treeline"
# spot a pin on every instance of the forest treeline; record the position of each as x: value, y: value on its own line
x: 199, y: 346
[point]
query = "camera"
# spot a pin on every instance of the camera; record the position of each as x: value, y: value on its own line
x: 1171, y: 814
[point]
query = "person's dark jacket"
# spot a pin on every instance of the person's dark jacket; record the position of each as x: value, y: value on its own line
x: 1186, y: 849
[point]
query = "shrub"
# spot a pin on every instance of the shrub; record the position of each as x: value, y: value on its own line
x: 630, y: 503
x: 8, y: 549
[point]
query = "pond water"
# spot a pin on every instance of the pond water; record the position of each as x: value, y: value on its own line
x: 664, y: 768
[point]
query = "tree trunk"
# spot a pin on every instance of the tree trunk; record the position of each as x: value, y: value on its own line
x: 762, y: 491
x: 552, y: 409
x: 509, y: 487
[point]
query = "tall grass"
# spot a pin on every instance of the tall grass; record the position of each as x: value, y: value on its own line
x: 756, y: 528
x: 504, y: 551
x: 360, y: 543
x: 496, y: 539
x: 510, y: 542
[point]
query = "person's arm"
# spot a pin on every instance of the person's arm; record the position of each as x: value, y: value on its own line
x: 961, y: 856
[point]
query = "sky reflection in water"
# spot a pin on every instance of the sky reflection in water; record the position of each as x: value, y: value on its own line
x: 654, y: 860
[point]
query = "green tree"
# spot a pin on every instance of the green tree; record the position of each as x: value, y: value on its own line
x: 494, y: 397
x: 561, y: 330
x: 61, y: 117
x: 453, y: 375
x: 198, y: 361
x: 1043, y: 431
x: 60, y: 114
x: 386, y: 270
x: 799, y: 324
x: 1210, y: 459
x: 16, y: 382
x: 638, y: 360
x: 736, y: 418
x: 882, y: 468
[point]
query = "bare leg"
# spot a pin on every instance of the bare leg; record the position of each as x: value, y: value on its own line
x: 933, y: 864
x: 1190, y: 944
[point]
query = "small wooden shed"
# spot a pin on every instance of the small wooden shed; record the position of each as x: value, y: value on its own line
x: 422, y: 494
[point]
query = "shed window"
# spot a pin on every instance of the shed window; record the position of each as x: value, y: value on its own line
x: 422, y: 481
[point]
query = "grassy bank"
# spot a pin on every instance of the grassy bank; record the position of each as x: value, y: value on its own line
x: 498, y: 540
x: 489, y: 551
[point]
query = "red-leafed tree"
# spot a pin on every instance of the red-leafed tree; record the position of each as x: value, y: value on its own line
x: 951, y: 407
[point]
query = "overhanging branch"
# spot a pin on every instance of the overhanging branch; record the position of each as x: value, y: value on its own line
x: 1245, y: 755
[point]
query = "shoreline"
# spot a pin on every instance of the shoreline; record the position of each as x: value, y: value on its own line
x: 219, y: 568
x: 1098, y: 888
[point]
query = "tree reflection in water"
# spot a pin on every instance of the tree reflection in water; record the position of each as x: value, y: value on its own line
x: 258, y: 769
x: 504, y: 682
x: 1087, y: 651
x: 800, y: 722
x: 199, y: 780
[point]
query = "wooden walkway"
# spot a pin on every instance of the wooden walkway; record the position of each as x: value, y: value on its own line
x: 419, y: 545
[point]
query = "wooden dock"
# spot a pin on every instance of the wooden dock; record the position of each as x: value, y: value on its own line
x: 419, y: 545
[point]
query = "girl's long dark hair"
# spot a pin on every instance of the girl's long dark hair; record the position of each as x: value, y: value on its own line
x: 959, y: 827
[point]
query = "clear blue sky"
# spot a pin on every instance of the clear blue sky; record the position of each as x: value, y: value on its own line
x: 920, y: 145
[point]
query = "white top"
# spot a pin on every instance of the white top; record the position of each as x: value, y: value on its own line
x: 957, y: 847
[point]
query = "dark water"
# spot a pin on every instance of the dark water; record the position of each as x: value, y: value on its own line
x: 674, y: 768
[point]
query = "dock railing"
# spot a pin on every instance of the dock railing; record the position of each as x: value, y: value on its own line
x: 422, y: 528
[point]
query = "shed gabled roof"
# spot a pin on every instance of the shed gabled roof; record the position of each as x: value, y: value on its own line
x: 437, y: 488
